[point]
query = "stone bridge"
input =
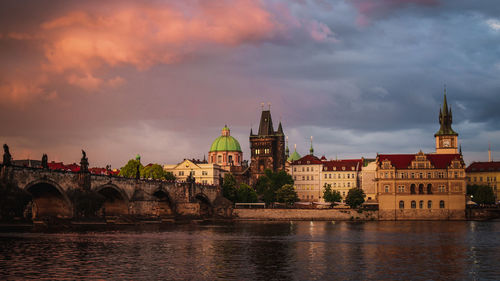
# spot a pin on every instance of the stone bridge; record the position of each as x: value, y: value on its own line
x: 142, y: 198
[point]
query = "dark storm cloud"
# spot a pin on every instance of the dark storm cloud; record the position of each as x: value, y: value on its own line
x: 361, y: 76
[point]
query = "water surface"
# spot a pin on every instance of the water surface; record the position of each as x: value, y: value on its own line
x: 260, y: 250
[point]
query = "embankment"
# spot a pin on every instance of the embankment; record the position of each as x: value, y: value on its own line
x: 303, y: 214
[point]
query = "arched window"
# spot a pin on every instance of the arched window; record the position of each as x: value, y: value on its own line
x: 413, y: 204
x: 441, y: 204
x: 429, y: 204
x: 230, y: 159
x: 412, y: 188
x: 429, y: 188
x: 420, y: 189
x: 421, y: 204
x: 219, y: 159
x: 401, y: 204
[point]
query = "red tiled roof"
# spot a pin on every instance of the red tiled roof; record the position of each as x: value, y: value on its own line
x: 484, y: 167
x: 403, y: 161
x: 60, y: 166
x: 307, y: 160
x: 348, y: 164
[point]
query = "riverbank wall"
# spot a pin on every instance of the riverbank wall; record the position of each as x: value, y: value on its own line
x: 304, y: 214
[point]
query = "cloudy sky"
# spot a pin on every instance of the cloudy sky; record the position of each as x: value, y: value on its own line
x: 161, y: 78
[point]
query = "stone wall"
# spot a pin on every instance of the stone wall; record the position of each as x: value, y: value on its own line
x: 303, y: 214
x: 422, y: 214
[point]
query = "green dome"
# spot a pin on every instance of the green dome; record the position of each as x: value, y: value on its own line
x: 225, y: 142
x: 294, y: 157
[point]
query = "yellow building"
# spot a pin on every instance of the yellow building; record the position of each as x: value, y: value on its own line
x: 424, y: 186
x: 342, y: 175
x: 421, y: 186
x: 485, y: 173
x: 367, y: 179
x: 202, y: 172
x: 306, y: 175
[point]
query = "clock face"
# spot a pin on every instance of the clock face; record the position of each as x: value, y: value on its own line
x: 446, y: 143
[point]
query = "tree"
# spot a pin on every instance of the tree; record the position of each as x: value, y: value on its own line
x: 268, y: 184
x: 153, y: 171
x: 13, y: 201
x: 355, y: 197
x: 130, y: 170
x: 246, y: 194
x: 229, y: 187
x: 287, y: 194
x: 169, y: 176
x: 484, y: 195
x: 331, y: 195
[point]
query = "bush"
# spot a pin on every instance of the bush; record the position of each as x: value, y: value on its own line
x: 331, y: 195
x: 287, y: 194
x: 246, y: 194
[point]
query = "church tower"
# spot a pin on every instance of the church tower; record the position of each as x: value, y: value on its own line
x: 267, y: 147
x: 446, y: 138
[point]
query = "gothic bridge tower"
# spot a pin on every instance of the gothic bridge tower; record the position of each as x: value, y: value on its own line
x: 267, y: 148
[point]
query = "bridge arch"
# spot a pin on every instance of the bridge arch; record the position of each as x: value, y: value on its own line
x: 116, y: 201
x: 166, y: 207
x: 48, y: 199
x: 206, y: 208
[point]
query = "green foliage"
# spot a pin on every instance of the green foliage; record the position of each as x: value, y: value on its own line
x: 287, y: 194
x: 169, y: 176
x: 130, y: 170
x: 229, y: 187
x: 13, y: 202
x: 154, y: 171
x: 86, y: 203
x: 481, y: 194
x: 246, y: 194
x: 331, y: 195
x: 355, y: 197
x: 268, y: 184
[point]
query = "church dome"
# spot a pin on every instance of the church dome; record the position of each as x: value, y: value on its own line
x: 294, y: 157
x: 225, y: 142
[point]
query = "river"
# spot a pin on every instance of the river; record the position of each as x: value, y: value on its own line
x: 302, y: 250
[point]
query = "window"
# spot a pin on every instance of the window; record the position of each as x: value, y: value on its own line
x: 401, y: 204
x: 302, y: 169
x: 413, y: 204
x: 312, y: 178
x: 204, y: 173
x: 421, y: 175
x: 230, y: 159
x: 181, y: 173
x: 421, y: 204
x: 412, y: 175
x: 386, y: 175
x: 429, y: 175
x: 307, y: 177
x: 412, y: 188
x: 266, y: 150
x: 219, y: 159
x: 441, y: 204
x: 442, y: 188
x: 386, y: 188
x: 330, y: 176
x: 348, y: 184
x: 294, y: 169
x: 429, y: 204
x: 429, y: 188
x: 326, y: 176
x: 303, y: 178
x: 420, y: 189
x: 401, y: 188
x: 475, y: 178
x: 455, y: 174
x: 307, y: 169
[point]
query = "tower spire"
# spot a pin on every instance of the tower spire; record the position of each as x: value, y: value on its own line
x: 287, y: 151
x: 489, y: 153
x: 311, y: 150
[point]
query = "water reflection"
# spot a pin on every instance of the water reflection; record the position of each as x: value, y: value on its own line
x: 257, y: 250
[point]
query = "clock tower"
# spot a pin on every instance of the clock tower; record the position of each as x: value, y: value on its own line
x: 446, y: 138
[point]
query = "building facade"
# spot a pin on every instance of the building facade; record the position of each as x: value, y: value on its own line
x: 341, y: 175
x: 367, y: 179
x: 306, y: 174
x: 485, y: 173
x: 267, y: 148
x: 203, y: 172
x: 421, y: 186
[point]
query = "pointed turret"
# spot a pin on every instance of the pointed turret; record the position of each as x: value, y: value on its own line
x: 445, y: 119
x: 266, y: 124
x: 280, y: 129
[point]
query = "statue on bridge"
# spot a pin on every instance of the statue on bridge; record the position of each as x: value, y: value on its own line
x: 7, y: 158
x: 84, y: 163
x: 45, y: 164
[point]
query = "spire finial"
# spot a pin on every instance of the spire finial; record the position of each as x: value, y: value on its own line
x: 269, y: 105
x: 311, y: 150
x: 262, y: 106
x: 295, y: 147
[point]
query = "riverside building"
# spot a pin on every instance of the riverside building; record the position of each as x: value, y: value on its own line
x: 424, y: 185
